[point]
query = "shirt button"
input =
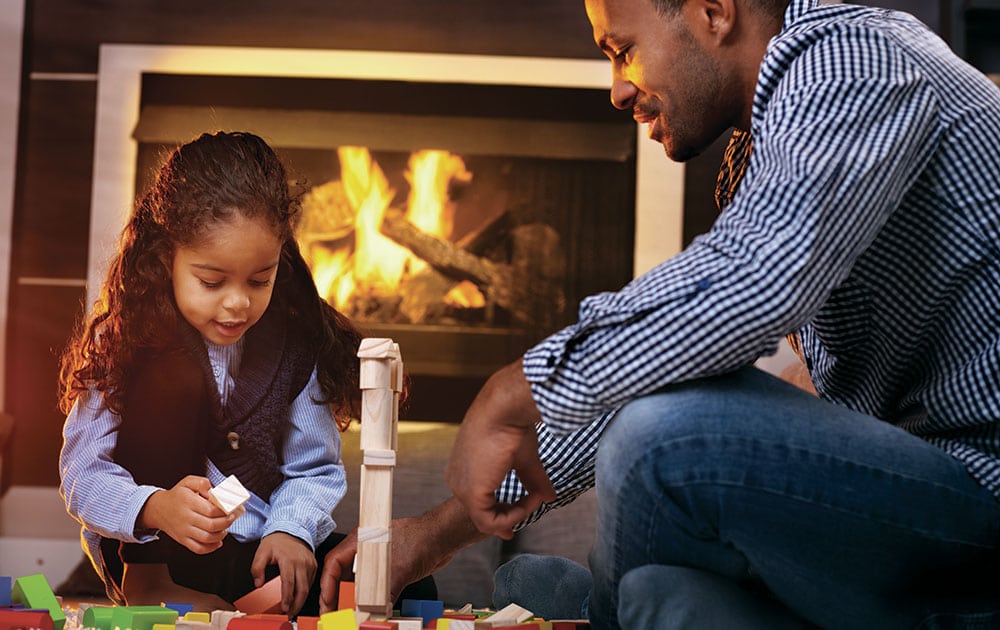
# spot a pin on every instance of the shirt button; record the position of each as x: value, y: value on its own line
x: 216, y: 371
x: 234, y: 440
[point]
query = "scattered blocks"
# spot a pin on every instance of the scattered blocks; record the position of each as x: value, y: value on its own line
x: 33, y: 591
x: 266, y: 599
x: 230, y: 495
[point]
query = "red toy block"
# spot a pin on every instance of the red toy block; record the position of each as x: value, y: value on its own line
x: 259, y: 623
x: 377, y: 625
x: 303, y: 622
x: 266, y: 599
x: 570, y: 624
x: 25, y: 619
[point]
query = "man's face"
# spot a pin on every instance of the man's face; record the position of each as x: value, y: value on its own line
x: 662, y: 72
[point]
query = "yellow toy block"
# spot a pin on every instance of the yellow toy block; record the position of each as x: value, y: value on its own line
x: 338, y: 620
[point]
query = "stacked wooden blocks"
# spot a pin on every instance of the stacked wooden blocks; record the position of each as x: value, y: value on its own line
x: 381, y: 381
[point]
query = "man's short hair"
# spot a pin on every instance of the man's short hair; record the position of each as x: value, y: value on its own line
x: 774, y: 8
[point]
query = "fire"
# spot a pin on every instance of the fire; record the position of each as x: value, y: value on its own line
x: 371, y: 266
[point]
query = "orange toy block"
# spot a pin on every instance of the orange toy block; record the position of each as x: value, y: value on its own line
x: 266, y: 599
x: 345, y: 595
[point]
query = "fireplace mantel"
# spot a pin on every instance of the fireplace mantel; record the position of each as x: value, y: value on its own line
x: 659, y: 182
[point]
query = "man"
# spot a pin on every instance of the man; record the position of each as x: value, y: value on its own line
x: 866, y: 225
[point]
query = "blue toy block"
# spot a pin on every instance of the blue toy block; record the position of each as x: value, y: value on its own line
x: 426, y: 609
x: 182, y: 609
x: 5, y: 586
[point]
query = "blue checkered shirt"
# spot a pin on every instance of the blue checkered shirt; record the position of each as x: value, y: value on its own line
x: 868, y: 221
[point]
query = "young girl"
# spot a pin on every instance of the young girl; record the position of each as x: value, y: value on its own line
x: 208, y: 354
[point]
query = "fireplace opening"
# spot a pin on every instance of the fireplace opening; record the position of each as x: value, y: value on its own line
x: 465, y: 222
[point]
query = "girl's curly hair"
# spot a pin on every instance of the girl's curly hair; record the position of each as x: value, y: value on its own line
x: 211, y: 178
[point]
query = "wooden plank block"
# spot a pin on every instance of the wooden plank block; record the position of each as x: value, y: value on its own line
x: 378, y: 414
x: 229, y: 495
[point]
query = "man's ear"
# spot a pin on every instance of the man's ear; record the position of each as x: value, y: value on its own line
x: 715, y: 19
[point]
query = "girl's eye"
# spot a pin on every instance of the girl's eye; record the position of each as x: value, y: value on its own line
x: 210, y: 285
x: 260, y: 283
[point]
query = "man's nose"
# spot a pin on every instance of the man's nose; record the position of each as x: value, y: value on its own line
x: 623, y: 93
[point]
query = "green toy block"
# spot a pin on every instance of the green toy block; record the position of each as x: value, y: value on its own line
x: 33, y: 591
x: 98, y: 617
x: 141, y: 617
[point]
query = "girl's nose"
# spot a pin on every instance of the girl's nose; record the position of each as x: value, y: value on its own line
x: 237, y: 301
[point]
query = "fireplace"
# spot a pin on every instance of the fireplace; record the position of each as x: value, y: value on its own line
x: 466, y: 220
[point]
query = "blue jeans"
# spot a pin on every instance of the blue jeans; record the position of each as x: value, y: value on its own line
x: 740, y: 501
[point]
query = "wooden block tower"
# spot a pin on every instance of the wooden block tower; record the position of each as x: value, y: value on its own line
x: 381, y: 383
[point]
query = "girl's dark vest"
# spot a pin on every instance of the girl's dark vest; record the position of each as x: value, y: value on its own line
x: 173, y: 417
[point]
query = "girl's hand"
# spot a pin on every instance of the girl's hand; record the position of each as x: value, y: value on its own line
x: 296, y: 565
x: 185, y: 514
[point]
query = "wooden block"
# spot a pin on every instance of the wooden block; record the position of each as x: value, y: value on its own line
x: 5, y: 588
x: 221, y: 618
x: 375, y: 457
x: 377, y: 348
x: 407, y: 623
x: 371, y: 583
x: 230, y: 495
x: 377, y: 426
x: 33, y: 591
x: 377, y: 625
x: 305, y: 622
x: 426, y: 609
x: 12, y: 619
x: 193, y: 615
x: 449, y: 623
x: 251, y: 622
x: 375, y: 493
x: 141, y: 617
x: 191, y: 624
x: 510, y: 615
x: 98, y: 617
x: 338, y: 620
x: 182, y: 609
x: 570, y: 624
x: 377, y: 374
x: 266, y: 599
x: 345, y: 596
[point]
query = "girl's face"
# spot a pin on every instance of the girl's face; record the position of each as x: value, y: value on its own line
x: 223, y: 283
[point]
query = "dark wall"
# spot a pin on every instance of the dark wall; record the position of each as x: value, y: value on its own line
x: 56, y: 136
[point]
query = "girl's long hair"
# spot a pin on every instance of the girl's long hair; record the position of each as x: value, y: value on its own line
x: 209, y: 179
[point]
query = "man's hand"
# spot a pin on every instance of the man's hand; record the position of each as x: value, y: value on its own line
x: 185, y: 514
x: 296, y: 565
x: 498, y: 435
x: 420, y: 546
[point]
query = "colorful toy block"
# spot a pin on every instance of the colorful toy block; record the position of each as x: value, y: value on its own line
x: 305, y: 622
x: 345, y: 595
x: 141, y: 617
x: 251, y: 622
x: 98, y: 617
x: 182, y: 609
x: 11, y: 619
x: 5, y: 586
x: 33, y: 591
x: 377, y: 625
x: 230, y: 495
x: 426, y: 609
x: 343, y: 619
x: 266, y: 599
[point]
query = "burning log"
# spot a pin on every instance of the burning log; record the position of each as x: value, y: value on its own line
x: 515, y: 288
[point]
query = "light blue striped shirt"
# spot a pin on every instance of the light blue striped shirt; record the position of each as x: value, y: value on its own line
x: 868, y: 221
x: 103, y: 497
